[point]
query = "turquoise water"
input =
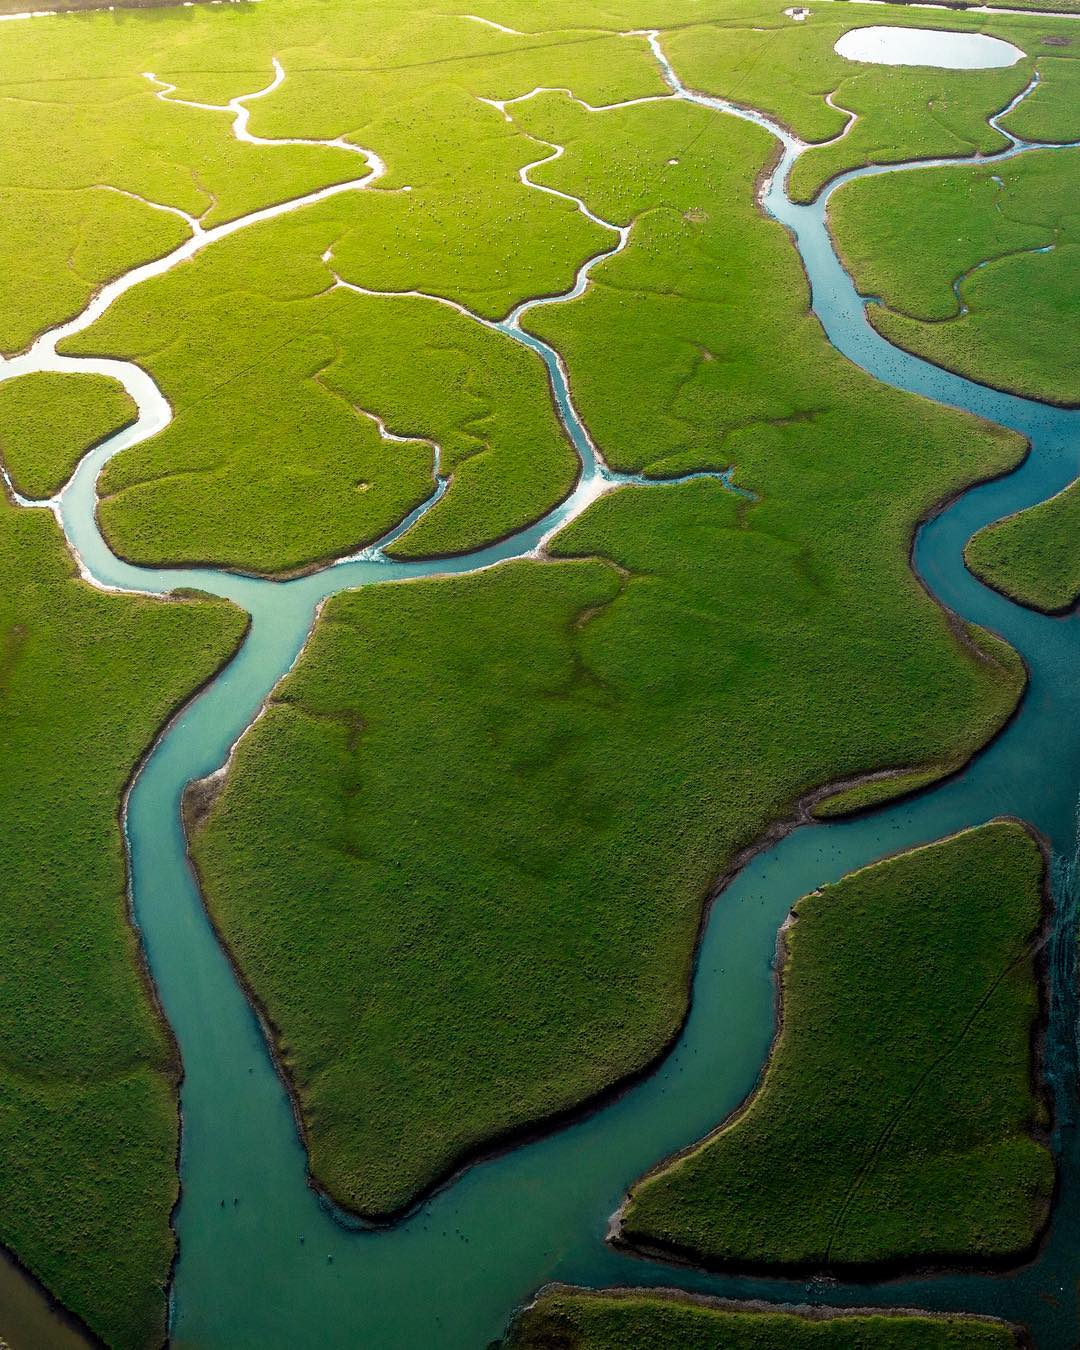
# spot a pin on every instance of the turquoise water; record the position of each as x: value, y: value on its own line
x: 262, y: 1261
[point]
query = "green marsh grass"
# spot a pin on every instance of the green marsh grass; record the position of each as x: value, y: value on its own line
x: 564, y: 1318
x: 1032, y: 556
x: 88, y: 1114
x: 48, y: 421
x: 482, y: 814
x: 899, y: 1118
x: 977, y: 296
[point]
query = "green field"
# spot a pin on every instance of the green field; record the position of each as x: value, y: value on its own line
x: 993, y: 290
x: 898, y: 1119
x: 1032, y: 556
x: 790, y: 70
x: 88, y: 1115
x: 298, y: 474
x: 564, y: 1318
x: 21, y: 6
x: 49, y: 421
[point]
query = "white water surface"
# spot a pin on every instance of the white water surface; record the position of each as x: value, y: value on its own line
x: 884, y: 45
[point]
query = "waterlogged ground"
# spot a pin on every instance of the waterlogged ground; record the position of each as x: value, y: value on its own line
x: 693, y: 607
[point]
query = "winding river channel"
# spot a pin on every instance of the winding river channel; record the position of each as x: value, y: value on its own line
x: 263, y: 1262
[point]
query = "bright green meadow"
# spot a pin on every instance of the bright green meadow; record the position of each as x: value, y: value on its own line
x: 563, y: 1318
x: 48, y: 422
x: 472, y: 794
x: 462, y: 859
x: 898, y: 1118
x: 275, y: 460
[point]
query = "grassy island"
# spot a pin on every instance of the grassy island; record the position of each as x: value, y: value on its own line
x: 899, y: 1119
x: 88, y: 1112
x: 1033, y: 556
x: 49, y: 421
x: 564, y: 1318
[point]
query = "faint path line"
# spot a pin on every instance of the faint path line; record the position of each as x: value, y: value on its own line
x: 892, y: 1124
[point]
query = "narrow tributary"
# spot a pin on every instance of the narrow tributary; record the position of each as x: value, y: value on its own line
x: 262, y: 1261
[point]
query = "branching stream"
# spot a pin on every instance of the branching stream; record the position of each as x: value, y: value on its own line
x: 263, y: 1261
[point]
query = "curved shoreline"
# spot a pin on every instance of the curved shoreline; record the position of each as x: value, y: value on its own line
x: 506, y: 1141
x: 1055, y: 612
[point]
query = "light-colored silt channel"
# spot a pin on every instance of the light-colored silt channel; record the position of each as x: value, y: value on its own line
x: 263, y: 1262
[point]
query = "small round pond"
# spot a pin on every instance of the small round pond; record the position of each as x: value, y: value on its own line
x: 883, y: 45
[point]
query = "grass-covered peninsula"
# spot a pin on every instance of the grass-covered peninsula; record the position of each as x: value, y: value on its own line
x: 900, y: 1118
x: 48, y: 422
x: 276, y: 459
x: 1033, y: 555
x: 88, y: 1074
x: 564, y: 1318
x: 454, y: 859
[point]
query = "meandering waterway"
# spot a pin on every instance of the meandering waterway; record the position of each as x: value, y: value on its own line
x: 262, y: 1261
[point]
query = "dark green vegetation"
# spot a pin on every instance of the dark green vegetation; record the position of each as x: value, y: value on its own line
x: 88, y: 1121
x: 454, y: 858
x: 564, y: 1318
x: 896, y: 1117
x: 1033, y: 556
x: 462, y: 859
x: 48, y: 422
x: 993, y: 290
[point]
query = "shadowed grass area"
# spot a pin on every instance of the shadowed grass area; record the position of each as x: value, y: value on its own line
x: 564, y: 1318
x: 1032, y: 556
x: 898, y: 1117
x: 88, y: 1115
x: 49, y: 421
x: 993, y: 289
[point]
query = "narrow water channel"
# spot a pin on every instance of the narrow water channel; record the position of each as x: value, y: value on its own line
x: 262, y: 1261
